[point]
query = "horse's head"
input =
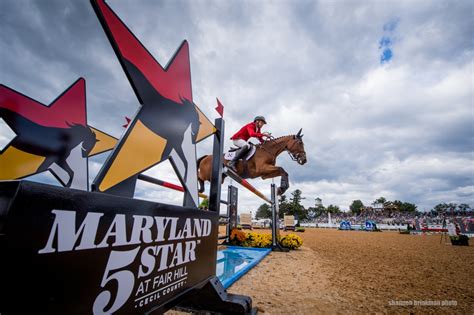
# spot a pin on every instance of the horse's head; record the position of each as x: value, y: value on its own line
x: 193, y: 117
x: 296, y: 148
x: 89, y: 142
x: 86, y: 137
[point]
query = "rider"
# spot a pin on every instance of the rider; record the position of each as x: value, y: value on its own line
x: 248, y: 131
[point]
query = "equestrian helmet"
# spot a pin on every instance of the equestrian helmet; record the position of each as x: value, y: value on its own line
x: 260, y: 118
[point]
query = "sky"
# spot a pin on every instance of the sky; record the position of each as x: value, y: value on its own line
x: 384, y: 90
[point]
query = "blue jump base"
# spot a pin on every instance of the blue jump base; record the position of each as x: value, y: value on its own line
x: 235, y: 261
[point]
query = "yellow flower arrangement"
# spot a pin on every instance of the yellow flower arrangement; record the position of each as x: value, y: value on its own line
x: 291, y: 241
x: 258, y: 240
x: 250, y: 239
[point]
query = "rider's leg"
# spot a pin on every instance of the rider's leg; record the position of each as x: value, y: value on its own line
x: 243, y: 145
x: 240, y: 143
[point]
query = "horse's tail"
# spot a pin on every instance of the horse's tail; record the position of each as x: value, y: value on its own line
x: 201, y: 182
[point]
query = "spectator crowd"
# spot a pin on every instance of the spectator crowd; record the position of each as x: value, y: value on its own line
x: 395, y: 218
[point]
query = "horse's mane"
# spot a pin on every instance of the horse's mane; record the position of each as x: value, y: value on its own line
x: 81, y: 130
x: 271, y: 141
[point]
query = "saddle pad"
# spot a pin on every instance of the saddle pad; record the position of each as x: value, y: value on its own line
x: 230, y: 154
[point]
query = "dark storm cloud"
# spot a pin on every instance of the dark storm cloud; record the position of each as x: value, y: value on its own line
x: 47, y: 45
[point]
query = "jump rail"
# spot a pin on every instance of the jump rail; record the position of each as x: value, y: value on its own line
x: 246, y: 184
x: 162, y: 183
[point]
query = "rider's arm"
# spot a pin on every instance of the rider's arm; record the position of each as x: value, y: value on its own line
x: 265, y: 135
x: 254, y: 134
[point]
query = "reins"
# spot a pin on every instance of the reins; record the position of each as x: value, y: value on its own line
x: 274, y: 154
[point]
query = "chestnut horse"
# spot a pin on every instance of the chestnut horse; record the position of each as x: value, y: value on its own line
x: 262, y: 163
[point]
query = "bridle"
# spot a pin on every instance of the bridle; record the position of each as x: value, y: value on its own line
x: 297, y: 157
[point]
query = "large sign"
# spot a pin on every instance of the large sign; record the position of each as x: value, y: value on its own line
x: 74, y: 252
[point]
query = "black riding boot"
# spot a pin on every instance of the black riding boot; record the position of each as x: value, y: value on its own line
x: 240, y: 153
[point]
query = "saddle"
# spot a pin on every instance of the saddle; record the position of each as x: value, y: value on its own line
x: 229, y: 155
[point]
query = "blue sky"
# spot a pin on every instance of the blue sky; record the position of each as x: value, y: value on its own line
x: 387, y: 41
x: 382, y: 89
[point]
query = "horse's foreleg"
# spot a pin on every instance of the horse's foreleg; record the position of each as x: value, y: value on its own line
x: 284, y: 182
x: 182, y: 156
x: 68, y: 170
x: 45, y: 165
x: 275, y: 171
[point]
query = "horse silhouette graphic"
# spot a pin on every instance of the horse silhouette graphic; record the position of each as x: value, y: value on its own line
x: 165, y: 117
x: 55, y: 137
x: 55, y: 144
x: 168, y: 124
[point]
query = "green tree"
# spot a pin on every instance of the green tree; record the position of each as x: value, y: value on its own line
x: 441, y: 207
x: 298, y: 209
x: 333, y: 209
x: 464, y: 207
x: 264, y: 212
x: 408, y: 207
x: 316, y: 211
x: 356, y: 206
x: 452, y: 206
x: 294, y: 206
x: 296, y: 197
x: 380, y: 200
x: 283, y: 206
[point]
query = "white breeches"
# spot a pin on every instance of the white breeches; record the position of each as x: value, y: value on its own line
x: 240, y: 143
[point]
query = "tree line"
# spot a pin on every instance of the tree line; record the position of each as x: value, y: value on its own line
x: 293, y: 206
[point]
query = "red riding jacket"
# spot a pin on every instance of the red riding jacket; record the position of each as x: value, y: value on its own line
x: 250, y: 130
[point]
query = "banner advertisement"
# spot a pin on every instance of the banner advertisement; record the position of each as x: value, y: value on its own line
x: 66, y: 251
